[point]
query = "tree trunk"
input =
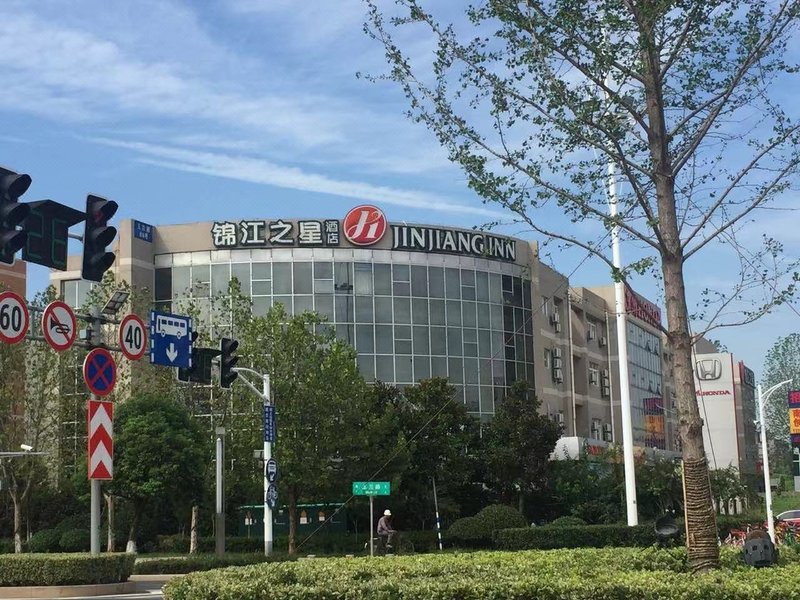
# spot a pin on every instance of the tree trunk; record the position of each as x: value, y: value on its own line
x: 110, y: 541
x: 292, y: 504
x: 521, y: 502
x: 702, y: 542
x: 131, y: 548
x: 193, y: 532
x: 17, y: 524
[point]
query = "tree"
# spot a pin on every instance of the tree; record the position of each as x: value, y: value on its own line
x: 28, y: 395
x: 782, y: 363
x: 671, y: 105
x: 442, y: 441
x: 319, y: 396
x: 517, y: 444
x: 160, y: 455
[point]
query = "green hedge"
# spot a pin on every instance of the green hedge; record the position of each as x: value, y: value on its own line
x: 65, y: 569
x: 322, y: 543
x: 586, y: 574
x: 586, y: 536
x: 200, y: 562
x: 477, y: 531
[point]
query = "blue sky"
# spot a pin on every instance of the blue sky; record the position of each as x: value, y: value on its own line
x: 224, y: 109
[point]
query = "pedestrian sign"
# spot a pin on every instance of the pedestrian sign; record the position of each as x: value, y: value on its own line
x: 170, y: 340
x: 100, y: 371
x: 272, y: 495
x: 371, y: 488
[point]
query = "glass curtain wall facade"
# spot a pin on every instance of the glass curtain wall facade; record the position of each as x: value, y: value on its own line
x: 647, y: 402
x: 409, y: 317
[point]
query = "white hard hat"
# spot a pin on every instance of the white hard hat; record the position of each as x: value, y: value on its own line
x: 387, y: 513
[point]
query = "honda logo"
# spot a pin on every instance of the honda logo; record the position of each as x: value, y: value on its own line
x: 364, y: 225
x: 708, y: 369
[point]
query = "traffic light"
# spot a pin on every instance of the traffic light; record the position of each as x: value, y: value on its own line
x: 187, y: 374
x: 227, y: 362
x: 97, y: 235
x: 12, y: 213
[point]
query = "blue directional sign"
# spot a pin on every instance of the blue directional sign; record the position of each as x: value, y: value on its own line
x: 269, y: 423
x: 170, y: 340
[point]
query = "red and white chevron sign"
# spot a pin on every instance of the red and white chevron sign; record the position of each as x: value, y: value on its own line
x: 101, y: 441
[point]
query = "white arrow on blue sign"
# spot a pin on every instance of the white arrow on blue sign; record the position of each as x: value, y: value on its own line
x: 170, y: 340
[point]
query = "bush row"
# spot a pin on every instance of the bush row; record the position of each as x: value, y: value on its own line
x: 588, y: 574
x: 322, y: 543
x: 65, y: 569
x: 586, y: 536
x: 200, y: 562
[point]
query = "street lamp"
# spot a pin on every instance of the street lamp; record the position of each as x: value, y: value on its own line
x: 764, y: 456
x: 267, y: 451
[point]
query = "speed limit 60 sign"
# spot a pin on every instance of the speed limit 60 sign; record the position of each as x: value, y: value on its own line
x: 14, y: 318
x: 132, y: 337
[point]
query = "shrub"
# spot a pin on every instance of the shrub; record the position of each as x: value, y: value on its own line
x: 500, y: 516
x: 65, y: 569
x: 6, y: 546
x: 468, y: 532
x: 568, y: 522
x: 201, y: 562
x: 75, y: 540
x: 586, y: 536
x: 477, y: 531
x: 590, y: 574
x: 45, y: 540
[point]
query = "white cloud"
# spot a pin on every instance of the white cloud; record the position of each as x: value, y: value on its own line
x: 256, y: 170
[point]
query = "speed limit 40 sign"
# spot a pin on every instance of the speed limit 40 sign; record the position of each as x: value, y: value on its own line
x: 14, y: 318
x: 132, y: 337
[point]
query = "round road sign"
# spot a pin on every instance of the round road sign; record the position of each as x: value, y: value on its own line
x: 100, y: 371
x: 14, y: 318
x: 59, y: 326
x: 132, y: 337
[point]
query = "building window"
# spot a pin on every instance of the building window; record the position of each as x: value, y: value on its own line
x: 595, y: 432
x: 592, y: 334
x: 594, y: 374
x: 547, y: 354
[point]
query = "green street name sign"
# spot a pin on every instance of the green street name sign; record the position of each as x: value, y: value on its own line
x: 371, y: 488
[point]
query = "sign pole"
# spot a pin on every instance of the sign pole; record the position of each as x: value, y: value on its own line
x: 267, y: 457
x: 371, y: 525
x: 94, y: 503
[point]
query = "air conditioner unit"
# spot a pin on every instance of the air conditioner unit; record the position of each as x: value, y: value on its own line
x: 557, y: 352
x: 607, y: 434
x: 558, y: 375
x: 557, y: 363
x: 593, y: 378
x: 555, y: 317
x: 605, y: 391
x: 559, y: 418
x: 557, y: 327
x: 603, y: 341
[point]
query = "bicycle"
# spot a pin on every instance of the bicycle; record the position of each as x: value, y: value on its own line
x: 403, y: 546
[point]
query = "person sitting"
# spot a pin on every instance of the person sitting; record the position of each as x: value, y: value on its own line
x: 386, y: 532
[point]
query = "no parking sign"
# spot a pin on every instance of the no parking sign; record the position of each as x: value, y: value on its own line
x: 100, y: 371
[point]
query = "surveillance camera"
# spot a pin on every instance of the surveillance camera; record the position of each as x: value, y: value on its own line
x: 26, y: 447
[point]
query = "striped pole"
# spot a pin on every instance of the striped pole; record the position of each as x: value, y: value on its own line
x: 438, y: 522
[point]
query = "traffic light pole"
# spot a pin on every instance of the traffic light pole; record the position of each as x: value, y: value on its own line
x: 267, y: 453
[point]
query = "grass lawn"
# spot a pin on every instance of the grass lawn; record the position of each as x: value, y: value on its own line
x: 786, y: 501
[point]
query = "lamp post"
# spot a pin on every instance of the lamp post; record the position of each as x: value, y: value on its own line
x: 762, y: 398
x: 267, y: 451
